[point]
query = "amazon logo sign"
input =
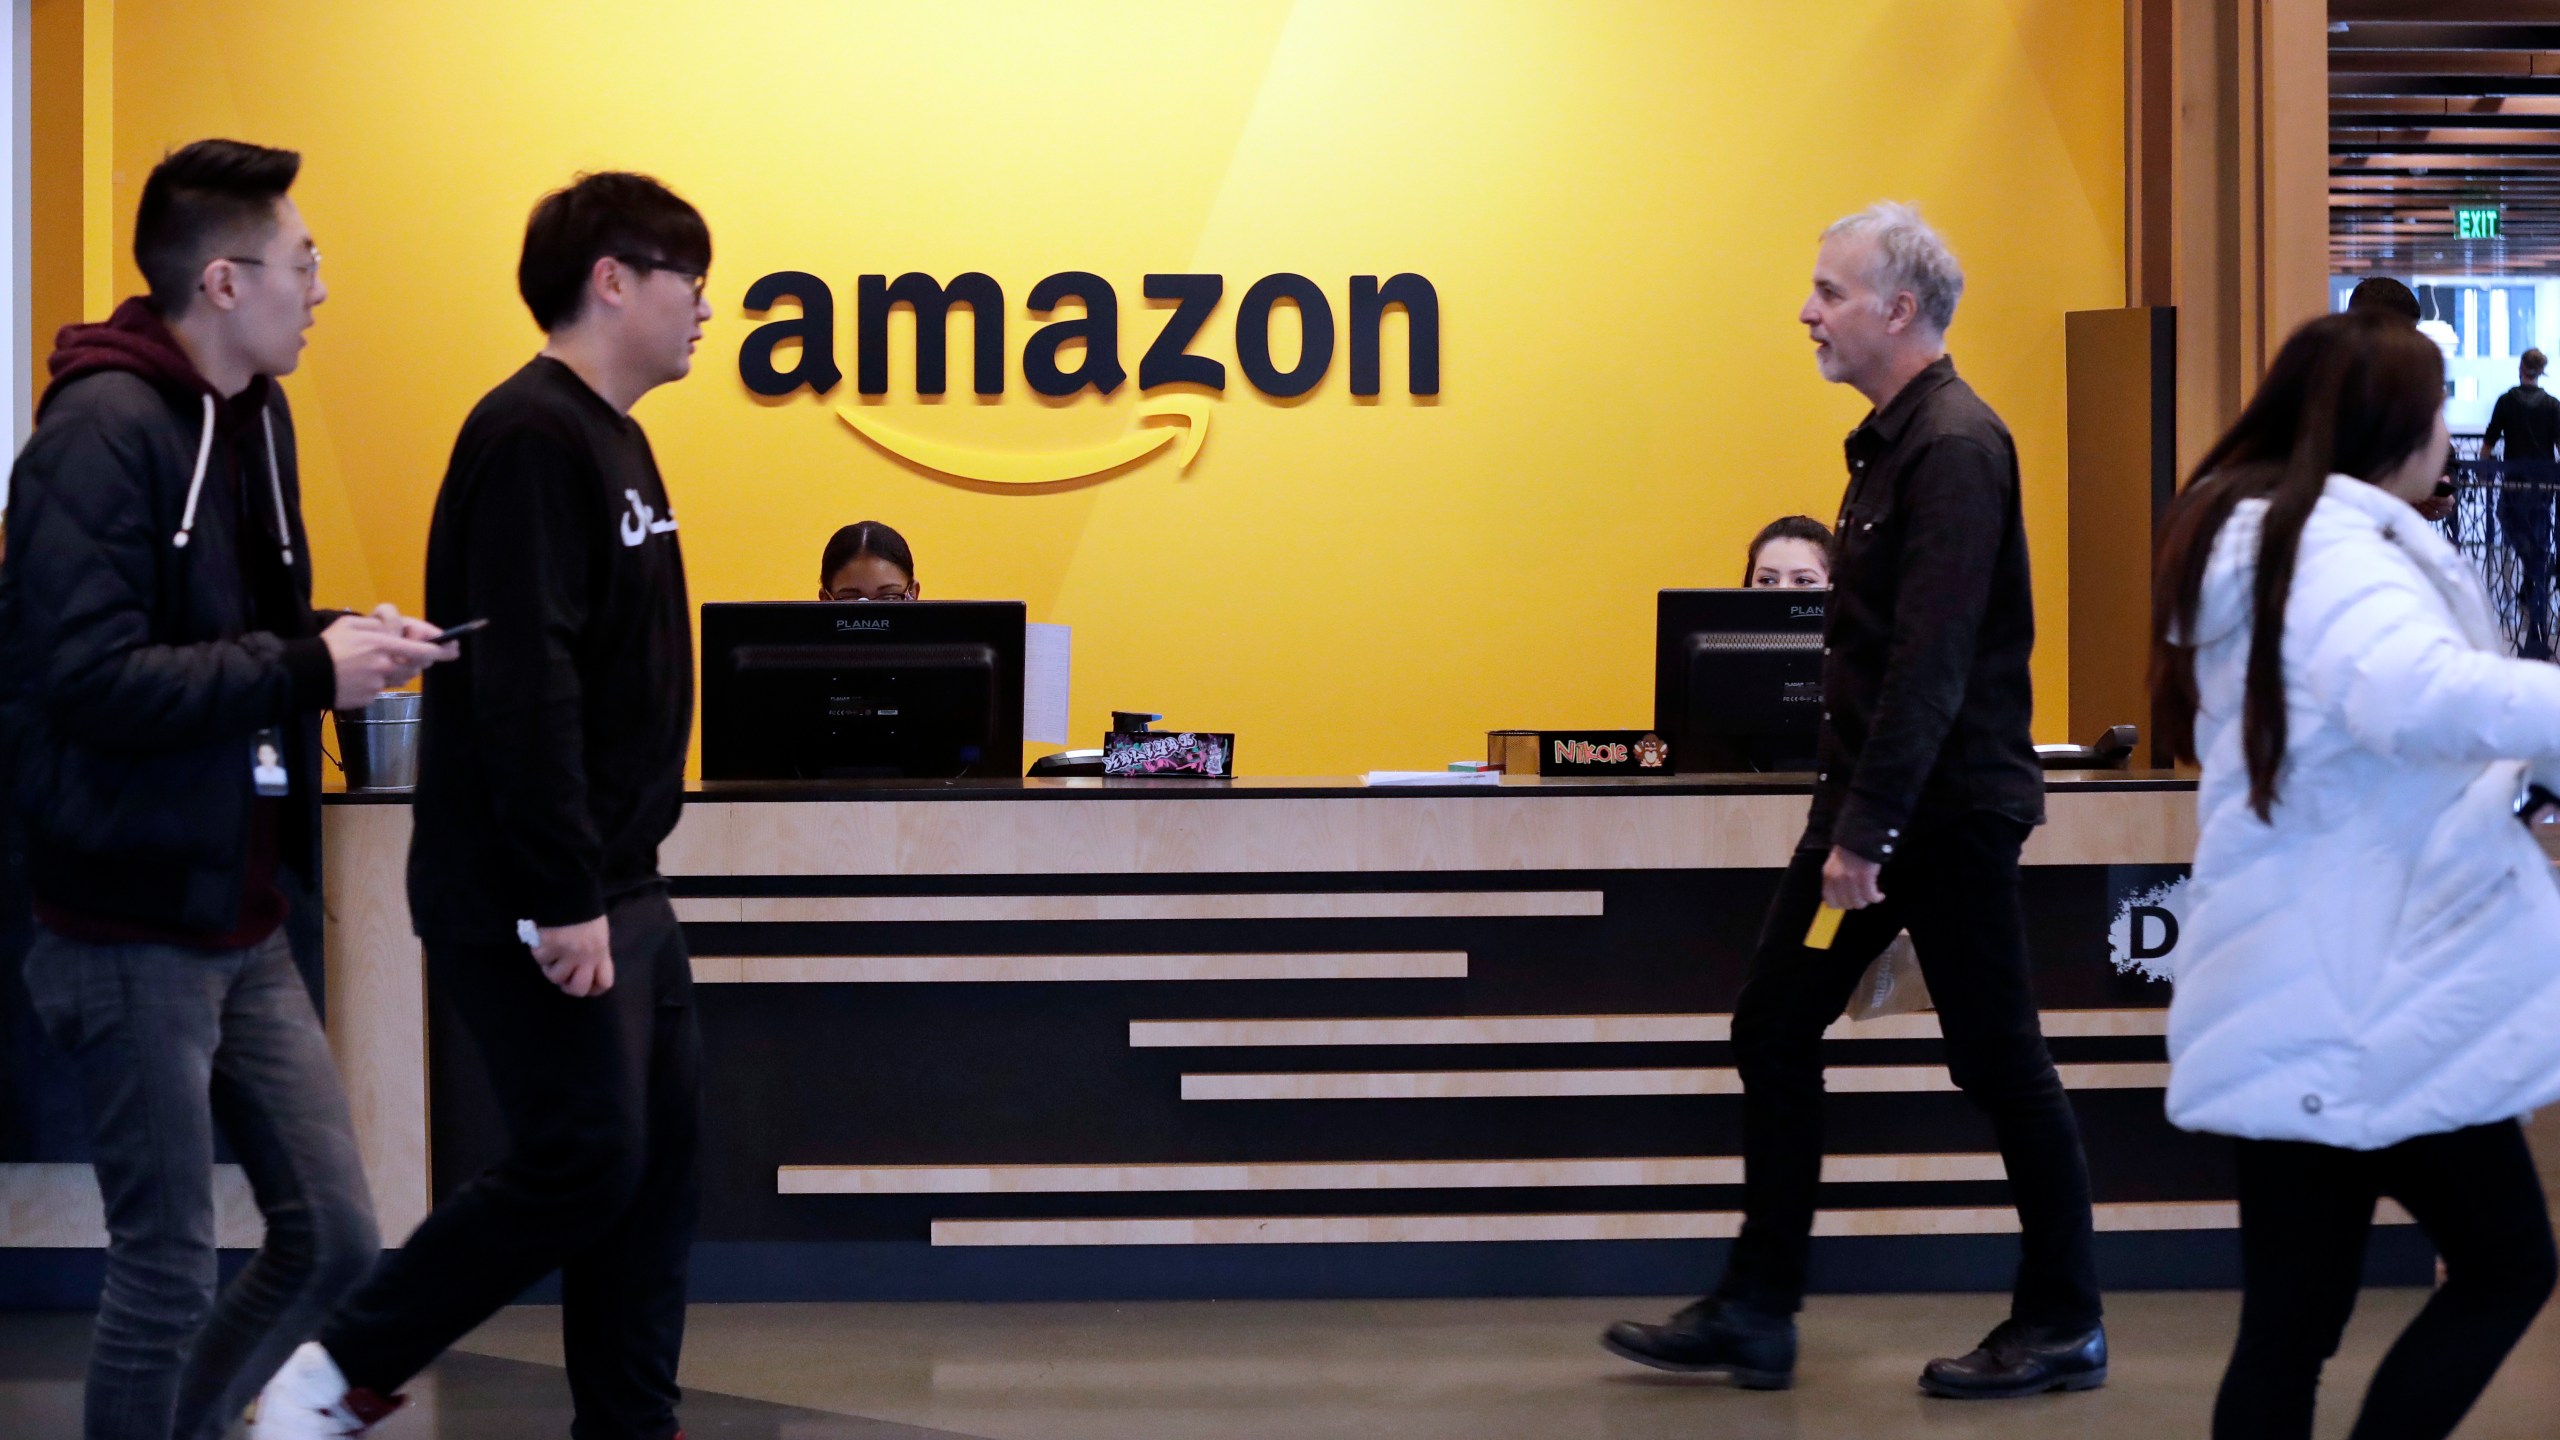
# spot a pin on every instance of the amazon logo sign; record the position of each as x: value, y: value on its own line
x: 1166, y: 363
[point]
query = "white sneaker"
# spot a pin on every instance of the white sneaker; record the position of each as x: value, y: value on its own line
x: 310, y: 1400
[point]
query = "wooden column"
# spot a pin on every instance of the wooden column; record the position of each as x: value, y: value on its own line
x: 2123, y: 436
x: 2227, y: 204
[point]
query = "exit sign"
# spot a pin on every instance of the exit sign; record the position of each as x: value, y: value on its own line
x: 2476, y: 222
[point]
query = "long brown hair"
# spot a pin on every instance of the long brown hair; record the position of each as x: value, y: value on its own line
x: 2352, y: 394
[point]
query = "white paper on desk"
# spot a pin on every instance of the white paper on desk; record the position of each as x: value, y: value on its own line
x: 1044, y: 683
x: 1433, y: 777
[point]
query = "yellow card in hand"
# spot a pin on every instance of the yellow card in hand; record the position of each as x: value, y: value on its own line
x: 1824, y: 929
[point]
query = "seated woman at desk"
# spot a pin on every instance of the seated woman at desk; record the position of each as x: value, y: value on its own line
x: 868, y: 561
x: 1790, y: 553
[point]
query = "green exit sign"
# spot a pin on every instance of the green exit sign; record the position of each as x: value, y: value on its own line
x: 2476, y: 222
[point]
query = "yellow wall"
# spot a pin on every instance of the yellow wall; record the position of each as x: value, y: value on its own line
x: 54, y: 160
x: 1617, y: 203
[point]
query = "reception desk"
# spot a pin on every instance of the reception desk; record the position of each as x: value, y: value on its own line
x: 1087, y: 1038
x: 1130, y: 1038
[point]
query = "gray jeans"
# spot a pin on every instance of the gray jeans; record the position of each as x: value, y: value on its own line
x: 169, y: 1043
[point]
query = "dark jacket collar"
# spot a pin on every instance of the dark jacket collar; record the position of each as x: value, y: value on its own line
x: 1887, y: 424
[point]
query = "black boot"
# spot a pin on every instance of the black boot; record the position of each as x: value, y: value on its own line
x: 1714, y: 1337
x: 2019, y: 1360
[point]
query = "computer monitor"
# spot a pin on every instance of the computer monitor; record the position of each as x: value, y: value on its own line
x: 1738, y: 677
x: 823, y: 690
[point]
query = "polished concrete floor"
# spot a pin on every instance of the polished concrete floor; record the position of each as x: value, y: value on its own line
x: 1427, y: 1370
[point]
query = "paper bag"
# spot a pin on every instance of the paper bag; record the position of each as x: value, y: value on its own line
x: 1892, y: 984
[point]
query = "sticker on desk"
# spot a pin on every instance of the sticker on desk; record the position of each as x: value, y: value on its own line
x: 1193, y: 753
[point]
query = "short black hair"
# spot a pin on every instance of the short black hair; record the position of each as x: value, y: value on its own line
x: 2533, y: 362
x: 865, y: 537
x: 612, y: 212
x: 201, y: 201
x: 2381, y: 292
x: 1786, y: 527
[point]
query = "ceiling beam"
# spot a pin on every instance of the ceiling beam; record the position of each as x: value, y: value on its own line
x: 2455, y: 109
x: 2443, y: 62
x: 2486, y: 142
x: 2430, y: 12
x: 2514, y: 219
x: 2446, y: 86
x: 2422, y: 36
x: 2425, y: 164
x: 2421, y: 184
x: 2357, y: 114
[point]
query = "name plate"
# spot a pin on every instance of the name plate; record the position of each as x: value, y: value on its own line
x: 1579, y: 752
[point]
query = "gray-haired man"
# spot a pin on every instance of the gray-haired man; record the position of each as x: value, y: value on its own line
x: 1927, y: 787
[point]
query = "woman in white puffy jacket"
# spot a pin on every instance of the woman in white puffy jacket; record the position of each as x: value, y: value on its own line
x: 2368, y: 990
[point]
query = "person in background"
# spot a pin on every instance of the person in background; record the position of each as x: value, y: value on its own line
x: 868, y: 561
x: 1927, y: 789
x: 2381, y: 292
x: 1792, y: 552
x: 2524, y: 432
x: 550, y: 769
x: 2368, y: 986
x: 2382, y: 295
x: 162, y: 675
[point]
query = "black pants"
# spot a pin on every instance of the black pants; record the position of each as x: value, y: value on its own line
x: 2526, y: 518
x: 1955, y: 888
x: 602, y: 1104
x: 2304, y: 1212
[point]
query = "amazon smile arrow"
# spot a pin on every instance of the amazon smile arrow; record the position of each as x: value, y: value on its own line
x: 1003, y: 467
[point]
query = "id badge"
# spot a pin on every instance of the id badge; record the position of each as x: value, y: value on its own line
x: 266, y: 764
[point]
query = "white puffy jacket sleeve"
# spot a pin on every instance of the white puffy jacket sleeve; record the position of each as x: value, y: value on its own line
x: 2398, y: 673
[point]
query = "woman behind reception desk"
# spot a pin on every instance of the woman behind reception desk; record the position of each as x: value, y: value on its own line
x: 1792, y: 552
x: 868, y: 561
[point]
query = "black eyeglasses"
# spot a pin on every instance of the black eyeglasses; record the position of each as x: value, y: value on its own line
x: 646, y: 263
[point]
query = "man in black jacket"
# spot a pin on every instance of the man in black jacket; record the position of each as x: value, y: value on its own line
x: 156, y: 634
x: 1925, y: 791
x: 553, y: 765
x: 2524, y: 434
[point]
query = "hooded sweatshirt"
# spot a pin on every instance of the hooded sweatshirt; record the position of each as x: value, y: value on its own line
x: 155, y: 621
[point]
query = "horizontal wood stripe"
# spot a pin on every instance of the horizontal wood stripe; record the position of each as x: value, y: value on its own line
x: 1353, y: 1175
x: 2134, y: 1075
x: 1655, y: 1225
x: 1581, y: 1029
x: 1519, y: 828
x: 1027, y: 969
x: 978, y: 909
x: 1482, y: 1084
x: 56, y: 1207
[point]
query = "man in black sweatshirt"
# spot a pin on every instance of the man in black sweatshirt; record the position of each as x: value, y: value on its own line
x: 2524, y: 433
x: 552, y: 765
x: 156, y: 634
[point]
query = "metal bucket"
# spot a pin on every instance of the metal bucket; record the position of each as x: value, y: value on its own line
x: 378, y: 745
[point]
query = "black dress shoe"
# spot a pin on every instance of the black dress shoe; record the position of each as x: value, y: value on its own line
x: 2019, y: 1360
x: 1713, y: 1337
